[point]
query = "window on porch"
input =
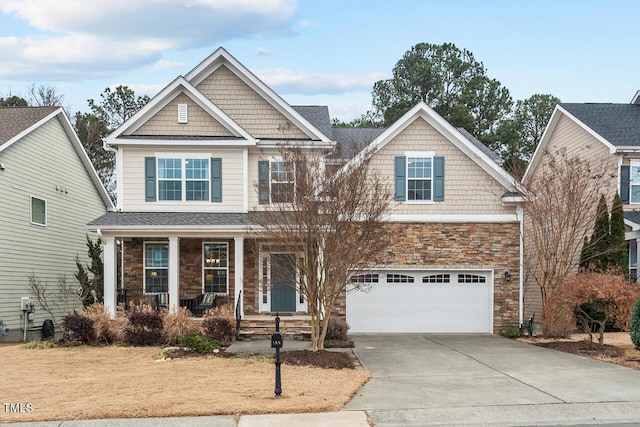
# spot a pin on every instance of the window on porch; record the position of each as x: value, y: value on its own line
x: 156, y: 267
x: 215, y: 267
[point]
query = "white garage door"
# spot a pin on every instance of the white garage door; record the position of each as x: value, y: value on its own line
x: 422, y: 301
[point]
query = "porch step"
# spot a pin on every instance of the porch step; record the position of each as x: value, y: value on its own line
x: 263, y: 326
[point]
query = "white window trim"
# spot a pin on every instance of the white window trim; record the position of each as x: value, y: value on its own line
x: 280, y: 159
x: 144, y: 266
x: 424, y: 154
x: 46, y: 211
x: 633, y: 163
x: 183, y: 157
x: 215, y: 268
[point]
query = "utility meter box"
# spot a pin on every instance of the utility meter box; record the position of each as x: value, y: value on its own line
x: 25, y: 304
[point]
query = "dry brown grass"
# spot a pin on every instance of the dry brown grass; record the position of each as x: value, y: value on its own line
x: 225, y: 310
x: 116, y: 382
x: 177, y: 324
x: 108, y: 330
x: 630, y: 357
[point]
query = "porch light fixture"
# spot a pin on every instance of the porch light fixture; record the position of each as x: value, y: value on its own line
x: 507, y: 276
x: 208, y: 277
x: 154, y: 273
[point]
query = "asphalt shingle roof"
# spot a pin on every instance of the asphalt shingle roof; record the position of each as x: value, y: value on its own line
x: 633, y: 216
x: 617, y: 123
x: 317, y: 115
x: 481, y: 146
x: 14, y: 120
x: 350, y: 141
x: 168, y: 219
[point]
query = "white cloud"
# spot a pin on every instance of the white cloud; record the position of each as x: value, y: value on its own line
x: 263, y: 51
x: 302, y: 82
x: 91, y: 39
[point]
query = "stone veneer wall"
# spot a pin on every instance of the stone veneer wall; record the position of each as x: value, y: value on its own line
x: 190, y: 285
x: 457, y: 246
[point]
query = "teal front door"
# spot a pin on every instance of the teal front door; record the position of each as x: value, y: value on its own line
x: 283, y: 283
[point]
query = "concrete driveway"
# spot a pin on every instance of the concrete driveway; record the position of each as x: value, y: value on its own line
x: 426, y: 379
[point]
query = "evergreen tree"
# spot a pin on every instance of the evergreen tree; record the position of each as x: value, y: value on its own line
x: 585, y: 254
x: 599, y: 244
x: 618, y: 257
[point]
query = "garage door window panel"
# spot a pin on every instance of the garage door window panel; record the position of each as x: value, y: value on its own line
x: 400, y: 278
x: 437, y: 278
x: 471, y: 278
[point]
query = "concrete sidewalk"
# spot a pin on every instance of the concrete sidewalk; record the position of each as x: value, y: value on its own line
x: 326, y: 419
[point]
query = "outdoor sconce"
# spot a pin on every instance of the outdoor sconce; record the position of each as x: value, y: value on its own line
x: 154, y: 274
x: 507, y: 276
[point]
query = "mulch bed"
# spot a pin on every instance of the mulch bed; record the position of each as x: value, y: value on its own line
x: 321, y: 359
x: 583, y: 348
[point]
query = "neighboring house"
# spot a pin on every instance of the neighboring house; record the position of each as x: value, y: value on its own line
x: 48, y: 192
x: 609, y: 136
x: 189, y: 164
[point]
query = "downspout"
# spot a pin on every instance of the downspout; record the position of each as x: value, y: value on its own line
x: 520, y: 215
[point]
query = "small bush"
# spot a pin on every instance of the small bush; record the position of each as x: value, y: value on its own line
x: 78, y: 327
x: 40, y: 345
x: 177, y: 324
x: 510, y: 331
x: 198, y: 343
x: 219, y: 328
x: 224, y: 310
x: 635, y: 325
x: 337, y: 330
x: 144, y: 328
x: 108, y: 330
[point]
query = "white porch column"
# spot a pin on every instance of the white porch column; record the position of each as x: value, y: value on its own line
x: 638, y: 259
x: 238, y: 256
x: 174, y: 273
x: 110, y: 272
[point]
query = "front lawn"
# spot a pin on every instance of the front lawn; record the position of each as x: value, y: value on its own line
x: 128, y: 382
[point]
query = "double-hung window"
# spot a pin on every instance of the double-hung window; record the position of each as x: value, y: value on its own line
x: 635, y: 181
x: 276, y: 181
x: 215, y: 267
x: 156, y: 267
x: 184, y: 179
x: 419, y: 177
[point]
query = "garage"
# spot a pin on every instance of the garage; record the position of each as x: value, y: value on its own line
x: 437, y: 301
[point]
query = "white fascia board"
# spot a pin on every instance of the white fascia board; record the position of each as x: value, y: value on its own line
x: 163, y: 230
x: 634, y: 226
x: 436, y: 218
x: 512, y: 199
x: 422, y: 110
x: 184, y: 143
x: 636, y: 98
x: 632, y: 235
x: 627, y: 149
x: 75, y: 141
x: 220, y: 56
x: 166, y: 95
x: 553, y: 121
x: 298, y: 144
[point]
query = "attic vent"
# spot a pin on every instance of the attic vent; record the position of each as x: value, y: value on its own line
x: 182, y: 113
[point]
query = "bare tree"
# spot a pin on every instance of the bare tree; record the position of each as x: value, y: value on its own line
x: 560, y: 210
x: 60, y: 299
x: 331, y: 223
x: 41, y: 95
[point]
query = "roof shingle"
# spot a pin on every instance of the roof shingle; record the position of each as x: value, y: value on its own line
x: 617, y: 123
x: 14, y: 120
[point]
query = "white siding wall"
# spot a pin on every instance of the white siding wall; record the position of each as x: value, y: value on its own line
x: 232, y: 182
x: 36, y: 165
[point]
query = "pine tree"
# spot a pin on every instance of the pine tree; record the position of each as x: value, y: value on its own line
x: 599, y: 244
x: 618, y: 256
x: 585, y: 255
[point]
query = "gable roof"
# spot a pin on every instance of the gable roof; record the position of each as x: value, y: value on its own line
x: 350, y: 140
x: 221, y: 57
x: 446, y: 129
x: 166, y: 95
x: 24, y: 122
x: 14, y: 120
x: 317, y: 115
x: 619, y: 124
x: 486, y: 150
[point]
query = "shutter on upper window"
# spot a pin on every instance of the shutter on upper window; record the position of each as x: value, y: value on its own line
x: 438, y: 179
x: 182, y: 113
x: 216, y: 180
x: 150, y: 179
x: 625, y: 178
x: 401, y: 178
x: 263, y: 182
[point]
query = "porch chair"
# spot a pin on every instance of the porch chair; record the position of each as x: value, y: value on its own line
x: 208, y: 301
x: 162, y: 300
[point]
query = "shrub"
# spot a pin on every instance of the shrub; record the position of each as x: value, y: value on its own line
x: 219, y: 328
x: 510, y: 331
x: 177, y: 324
x: 144, y: 328
x: 198, y: 343
x: 337, y: 330
x: 224, y: 310
x: 79, y: 327
x: 108, y: 330
x: 635, y: 325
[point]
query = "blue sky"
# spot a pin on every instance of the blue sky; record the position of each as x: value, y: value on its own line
x: 318, y: 52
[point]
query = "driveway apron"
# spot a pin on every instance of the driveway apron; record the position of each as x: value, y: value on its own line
x: 426, y: 379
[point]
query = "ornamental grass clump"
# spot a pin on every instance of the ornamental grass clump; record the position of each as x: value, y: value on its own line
x: 177, y: 324
x: 108, y: 330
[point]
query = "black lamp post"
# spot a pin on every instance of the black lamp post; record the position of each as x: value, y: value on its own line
x: 276, y: 342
